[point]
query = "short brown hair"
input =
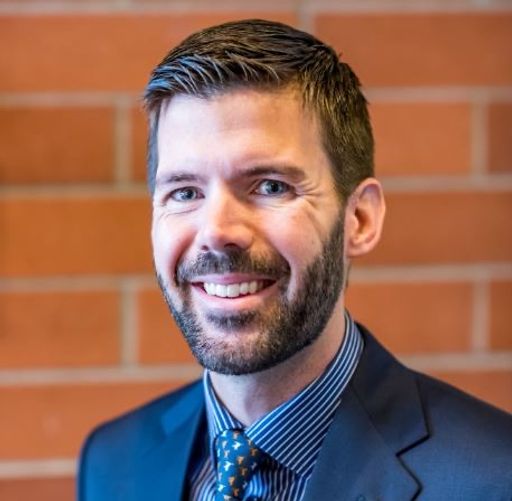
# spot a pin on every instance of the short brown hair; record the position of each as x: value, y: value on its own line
x: 267, y: 55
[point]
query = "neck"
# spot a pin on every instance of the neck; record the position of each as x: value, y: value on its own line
x: 249, y: 397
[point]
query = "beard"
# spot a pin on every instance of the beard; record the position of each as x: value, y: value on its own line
x: 284, y: 328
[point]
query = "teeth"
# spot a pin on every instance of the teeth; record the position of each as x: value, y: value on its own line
x: 232, y: 290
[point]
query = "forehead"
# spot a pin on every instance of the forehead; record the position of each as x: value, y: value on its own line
x: 238, y: 128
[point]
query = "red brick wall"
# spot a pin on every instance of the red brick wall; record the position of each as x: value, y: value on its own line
x: 84, y: 334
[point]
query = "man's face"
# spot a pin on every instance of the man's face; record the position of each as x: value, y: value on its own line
x: 247, y: 227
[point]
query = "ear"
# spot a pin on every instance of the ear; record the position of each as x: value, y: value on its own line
x: 364, y: 217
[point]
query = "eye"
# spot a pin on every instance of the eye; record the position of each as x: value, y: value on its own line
x: 186, y: 194
x: 271, y: 187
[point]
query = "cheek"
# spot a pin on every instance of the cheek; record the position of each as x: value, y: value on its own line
x: 169, y: 240
x: 297, y: 240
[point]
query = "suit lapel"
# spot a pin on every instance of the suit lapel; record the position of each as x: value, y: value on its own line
x: 379, y: 417
x: 355, y: 463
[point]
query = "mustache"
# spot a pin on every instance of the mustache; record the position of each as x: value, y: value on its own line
x: 232, y: 261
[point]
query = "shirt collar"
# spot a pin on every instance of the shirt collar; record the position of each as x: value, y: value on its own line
x: 293, y: 432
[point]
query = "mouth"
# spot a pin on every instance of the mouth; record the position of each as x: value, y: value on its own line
x: 234, y: 290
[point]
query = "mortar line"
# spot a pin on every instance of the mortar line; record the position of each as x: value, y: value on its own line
x: 38, y: 468
x: 479, y: 149
x: 305, y: 17
x: 452, y: 272
x: 132, y: 189
x: 73, y: 283
x: 446, y: 184
x: 221, y: 6
x: 480, y: 316
x: 99, y: 375
x: 438, y: 93
x: 64, y: 98
x: 405, y: 6
x: 101, y: 8
x: 122, y: 139
x: 459, y: 362
x: 128, y: 322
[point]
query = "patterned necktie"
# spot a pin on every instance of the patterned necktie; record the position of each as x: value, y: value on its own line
x: 237, y: 460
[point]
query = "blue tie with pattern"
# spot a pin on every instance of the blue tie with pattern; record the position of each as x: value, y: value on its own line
x: 237, y: 460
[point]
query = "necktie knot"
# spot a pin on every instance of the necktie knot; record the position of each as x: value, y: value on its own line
x: 237, y: 460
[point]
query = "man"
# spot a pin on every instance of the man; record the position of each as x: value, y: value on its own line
x: 261, y: 174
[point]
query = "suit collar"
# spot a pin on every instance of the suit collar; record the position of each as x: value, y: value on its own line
x: 379, y: 417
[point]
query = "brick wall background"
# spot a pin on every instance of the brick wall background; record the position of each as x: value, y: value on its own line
x: 84, y: 334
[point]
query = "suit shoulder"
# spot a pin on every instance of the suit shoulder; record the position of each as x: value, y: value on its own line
x: 464, y: 429
x: 118, y: 452
x: 446, y: 404
x: 468, y: 451
x: 138, y: 428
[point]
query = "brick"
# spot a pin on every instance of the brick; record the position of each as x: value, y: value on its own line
x: 160, y: 340
x: 424, y: 48
x: 500, y: 137
x: 105, y: 51
x: 81, y: 235
x: 42, y: 489
x: 446, y: 227
x: 415, y: 317
x: 493, y: 386
x: 421, y: 138
x: 52, y: 421
x: 500, y: 315
x: 139, y: 142
x: 56, y: 145
x: 57, y: 329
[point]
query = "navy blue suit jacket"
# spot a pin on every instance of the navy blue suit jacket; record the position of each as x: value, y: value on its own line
x: 397, y: 435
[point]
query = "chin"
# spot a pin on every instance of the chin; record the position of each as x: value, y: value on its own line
x: 242, y: 352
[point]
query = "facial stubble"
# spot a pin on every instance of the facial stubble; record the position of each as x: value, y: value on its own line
x: 283, y: 329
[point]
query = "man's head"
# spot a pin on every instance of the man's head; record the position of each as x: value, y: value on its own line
x: 265, y: 55
x: 253, y: 221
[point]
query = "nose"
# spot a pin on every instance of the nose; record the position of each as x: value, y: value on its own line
x: 225, y: 222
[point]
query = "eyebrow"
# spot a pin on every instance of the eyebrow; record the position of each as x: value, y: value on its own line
x: 177, y: 177
x: 257, y: 171
x: 267, y: 170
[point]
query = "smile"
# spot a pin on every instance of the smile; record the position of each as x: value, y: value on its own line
x: 235, y: 290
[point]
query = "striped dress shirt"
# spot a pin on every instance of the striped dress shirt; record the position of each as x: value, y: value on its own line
x: 291, y: 435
